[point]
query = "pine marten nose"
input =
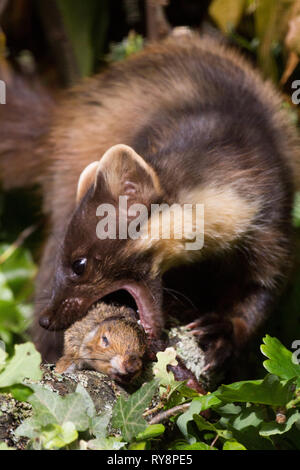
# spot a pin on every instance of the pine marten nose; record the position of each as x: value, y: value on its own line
x: 44, y: 321
x: 132, y: 364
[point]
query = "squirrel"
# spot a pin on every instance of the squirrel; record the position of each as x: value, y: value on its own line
x: 108, y: 339
x: 186, y: 121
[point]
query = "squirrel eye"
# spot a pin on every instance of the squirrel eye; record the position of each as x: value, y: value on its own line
x: 104, y: 341
x: 79, y: 265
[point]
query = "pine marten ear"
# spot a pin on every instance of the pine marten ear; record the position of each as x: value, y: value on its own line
x: 126, y: 173
x: 86, y: 180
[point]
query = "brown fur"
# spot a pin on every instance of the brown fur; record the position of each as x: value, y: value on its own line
x: 211, y: 131
x: 121, y: 359
x: 25, y: 121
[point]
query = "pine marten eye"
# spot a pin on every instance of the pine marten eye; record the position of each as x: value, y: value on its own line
x: 79, y: 266
x: 104, y: 341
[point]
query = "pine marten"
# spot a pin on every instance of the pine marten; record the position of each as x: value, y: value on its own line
x: 108, y: 339
x: 186, y: 121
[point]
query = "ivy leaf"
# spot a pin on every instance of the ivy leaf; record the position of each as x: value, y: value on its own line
x: 89, y: 404
x: 109, y: 443
x: 31, y: 428
x: 55, y: 436
x: 269, y: 391
x: 99, y: 424
x: 165, y: 358
x: 25, y: 363
x: 50, y: 408
x: 280, y: 360
x: 127, y: 413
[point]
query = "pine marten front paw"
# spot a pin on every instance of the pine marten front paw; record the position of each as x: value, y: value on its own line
x: 215, y: 337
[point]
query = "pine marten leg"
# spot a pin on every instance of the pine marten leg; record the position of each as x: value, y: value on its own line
x: 242, y: 310
x: 224, y: 334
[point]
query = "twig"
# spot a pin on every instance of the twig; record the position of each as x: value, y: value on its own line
x: 16, y: 244
x: 171, y: 412
x: 214, y: 441
x: 3, y: 5
x: 157, y: 24
x: 153, y: 410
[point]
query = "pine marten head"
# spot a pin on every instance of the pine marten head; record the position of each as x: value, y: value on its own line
x: 90, y: 265
x: 115, y: 347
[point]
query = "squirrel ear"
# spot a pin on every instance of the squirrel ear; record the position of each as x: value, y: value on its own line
x: 86, y: 179
x: 127, y: 174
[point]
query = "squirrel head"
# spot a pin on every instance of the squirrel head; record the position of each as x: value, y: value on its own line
x: 115, y: 347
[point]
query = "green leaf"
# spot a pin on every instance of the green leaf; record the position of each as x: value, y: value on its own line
x: 143, y: 445
x: 31, y: 428
x: 18, y: 269
x: 227, y: 13
x: 3, y: 356
x: 271, y: 21
x: 269, y: 391
x: 197, y: 405
x: 127, y: 413
x: 98, y: 425
x: 86, y: 24
x: 6, y: 293
x: 250, y: 438
x: 185, y: 418
x: 204, y: 425
x: 232, y: 444
x: 296, y: 210
x: 165, y: 358
x: 18, y: 391
x: 109, y: 443
x: 89, y: 404
x: 195, y: 446
x: 25, y: 363
x: 4, y: 446
x: 152, y: 431
x: 280, y: 360
x: 250, y: 416
x: 56, y: 437
x: 50, y: 408
x: 130, y: 45
x: 271, y: 428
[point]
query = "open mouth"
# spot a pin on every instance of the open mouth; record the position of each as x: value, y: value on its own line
x: 122, y: 298
x: 135, y: 295
x: 140, y: 298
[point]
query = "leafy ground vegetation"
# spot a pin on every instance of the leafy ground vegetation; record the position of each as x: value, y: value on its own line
x: 254, y: 414
x: 162, y: 414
